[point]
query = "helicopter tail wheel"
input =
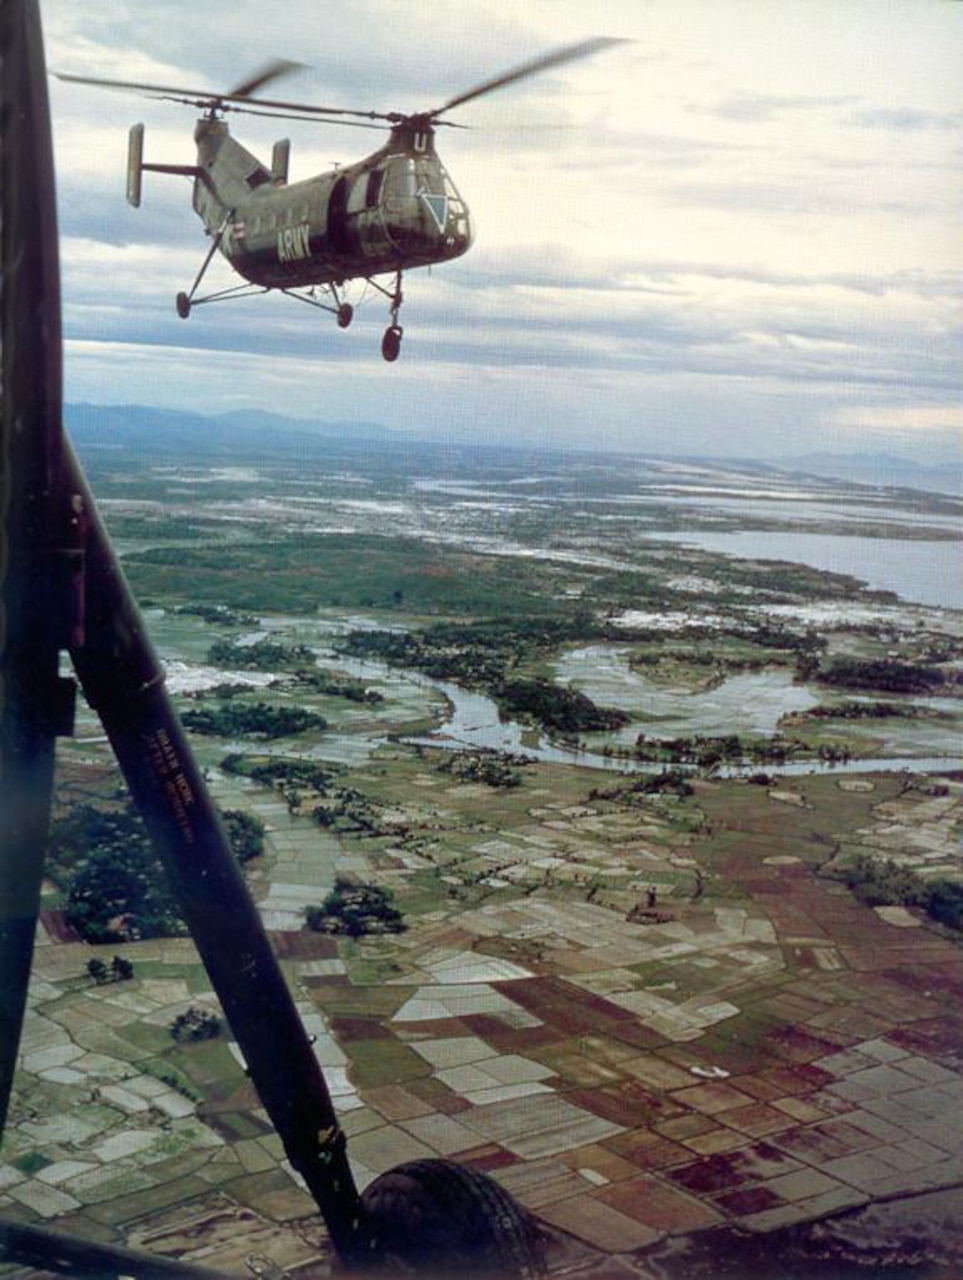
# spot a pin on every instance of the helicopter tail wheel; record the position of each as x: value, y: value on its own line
x: 345, y: 315
x: 183, y: 303
x: 391, y: 342
x: 438, y: 1218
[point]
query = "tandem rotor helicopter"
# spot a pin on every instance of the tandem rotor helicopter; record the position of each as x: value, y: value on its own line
x: 392, y: 211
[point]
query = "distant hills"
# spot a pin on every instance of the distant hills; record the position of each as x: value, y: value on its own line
x: 880, y: 469
x: 249, y: 430
x: 123, y: 423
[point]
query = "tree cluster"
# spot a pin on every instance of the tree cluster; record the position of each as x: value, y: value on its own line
x: 263, y: 655
x: 116, y: 887
x: 355, y: 910
x: 882, y: 882
x: 491, y: 768
x: 245, y: 831
x: 259, y: 720
x: 195, y: 1024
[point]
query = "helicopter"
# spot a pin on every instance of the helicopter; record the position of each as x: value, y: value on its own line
x: 395, y: 210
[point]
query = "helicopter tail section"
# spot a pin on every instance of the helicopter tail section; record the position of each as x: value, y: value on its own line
x: 135, y: 164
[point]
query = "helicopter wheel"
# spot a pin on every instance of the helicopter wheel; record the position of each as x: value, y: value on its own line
x: 345, y: 315
x: 391, y: 342
x: 183, y: 303
x: 438, y: 1218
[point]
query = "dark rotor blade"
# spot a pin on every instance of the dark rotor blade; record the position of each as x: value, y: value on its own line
x: 276, y: 68
x: 584, y: 49
x: 205, y: 97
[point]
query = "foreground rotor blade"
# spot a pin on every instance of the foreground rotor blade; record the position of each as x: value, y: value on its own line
x: 584, y: 49
x: 208, y: 98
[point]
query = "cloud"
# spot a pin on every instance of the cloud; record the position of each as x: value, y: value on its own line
x: 718, y: 227
x: 917, y: 417
x: 759, y: 108
x: 908, y: 119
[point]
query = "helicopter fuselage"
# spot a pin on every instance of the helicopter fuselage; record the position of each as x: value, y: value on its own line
x: 396, y: 209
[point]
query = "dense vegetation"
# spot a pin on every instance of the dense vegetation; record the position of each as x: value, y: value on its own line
x: 277, y: 771
x: 115, y: 886
x: 887, y: 674
x: 245, y: 831
x: 287, y: 572
x: 866, y: 711
x: 263, y: 655
x: 195, y: 1024
x: 558, y: 709
x: 257, y: 720
x: 882, y: 882
x: 355, y: 910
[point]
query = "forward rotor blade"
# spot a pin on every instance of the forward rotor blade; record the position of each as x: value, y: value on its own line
x: 584, y: 49
x: 133, y: 86
x: 207, y: 97
x: 276, y: 68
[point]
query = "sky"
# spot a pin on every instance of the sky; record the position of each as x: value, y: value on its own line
x: 735, y: 234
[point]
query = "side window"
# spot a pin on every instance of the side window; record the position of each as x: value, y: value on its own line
x: 373, y: 189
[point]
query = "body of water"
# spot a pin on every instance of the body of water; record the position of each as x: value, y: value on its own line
x: 924, y: 572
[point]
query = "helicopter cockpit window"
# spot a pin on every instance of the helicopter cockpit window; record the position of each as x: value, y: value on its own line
x: 257, y: 177
x: 373, y: 190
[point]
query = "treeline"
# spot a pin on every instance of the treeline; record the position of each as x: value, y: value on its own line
x: 303, y: 783
x: 710, y: 752
x: 218, y: 614
x: 888, y: 674
x: 278, y: 772
x: 865, y: 711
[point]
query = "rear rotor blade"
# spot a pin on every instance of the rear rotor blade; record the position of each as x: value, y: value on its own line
x: 584, y: 49
x: 276, y: 68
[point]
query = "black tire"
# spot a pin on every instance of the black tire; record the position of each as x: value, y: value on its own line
x: 345, y: 315
x: 391, y: 343
x: 183, y: 305
x: 437, y: 1218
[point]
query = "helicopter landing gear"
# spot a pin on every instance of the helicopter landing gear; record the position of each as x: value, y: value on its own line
x: 345, y: 314
x: 183, y: 300
x: 438, y: 1218
x: 391, y: 342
